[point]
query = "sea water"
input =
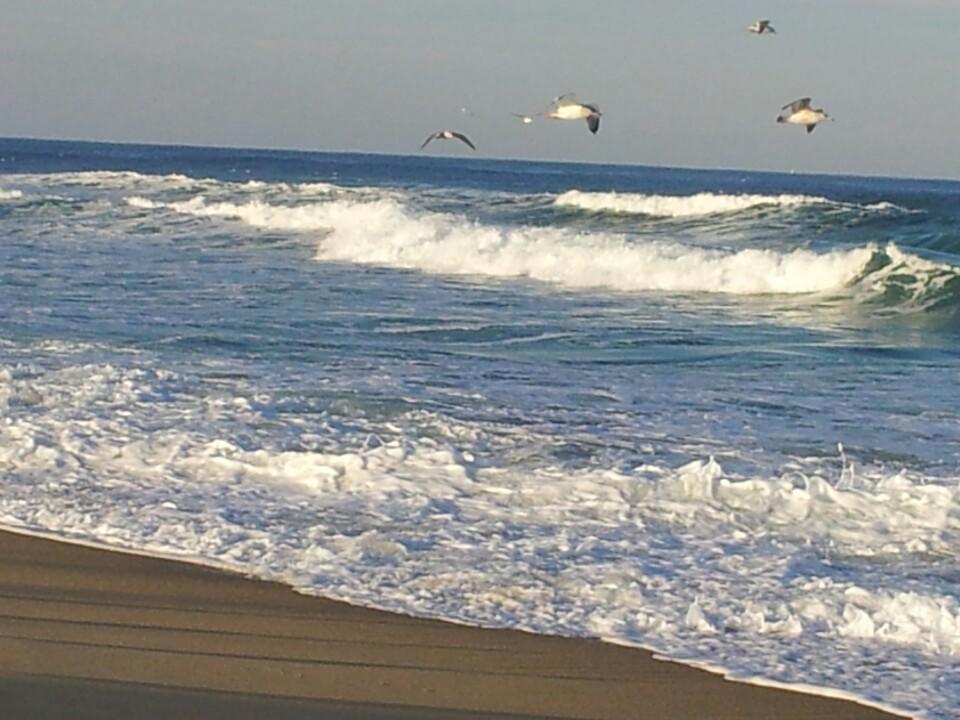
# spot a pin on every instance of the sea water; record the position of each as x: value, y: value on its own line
x: 711, y: 413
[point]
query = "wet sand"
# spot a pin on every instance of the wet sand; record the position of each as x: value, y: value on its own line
x: 88, y: 633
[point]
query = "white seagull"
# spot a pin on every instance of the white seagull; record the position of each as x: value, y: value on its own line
x: 799, y: 112
x: 448, y: 135
x: 762, y: 26
x: 567, y: 107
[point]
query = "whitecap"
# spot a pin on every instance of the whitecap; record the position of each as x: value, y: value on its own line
x: 697, y: 205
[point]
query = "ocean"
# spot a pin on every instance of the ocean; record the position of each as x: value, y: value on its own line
x: 711, y: 413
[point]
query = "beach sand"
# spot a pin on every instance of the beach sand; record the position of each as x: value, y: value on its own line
x: 88, y: 633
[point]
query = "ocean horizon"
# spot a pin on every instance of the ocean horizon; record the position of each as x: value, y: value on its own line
x: 414, y: 153
x: 712, y: 413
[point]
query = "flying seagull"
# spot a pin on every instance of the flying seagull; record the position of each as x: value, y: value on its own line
x: 762, y: 26
x: 525, y: 119
x: 799, y: 112
x: 567, y: 107
x: 448, y: 135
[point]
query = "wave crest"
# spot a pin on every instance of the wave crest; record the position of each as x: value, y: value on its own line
x: 897, y: 279
x: 384, y: 231
x: 692, y: 206
x: 255, y: 213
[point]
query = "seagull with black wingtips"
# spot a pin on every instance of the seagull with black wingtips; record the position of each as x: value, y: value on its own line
x: 448, y: 135
x: 760, y: 27
x: 567, y: 107
x: 800, y: 112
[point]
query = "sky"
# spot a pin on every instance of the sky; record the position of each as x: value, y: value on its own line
x: 680, y: 83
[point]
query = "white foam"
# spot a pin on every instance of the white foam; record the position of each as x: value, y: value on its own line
x: 138, y: 201
x: 386, y: 233
x: 416, y: 524
x: 110, y: 179
x: 320, y: 188
x: 156, y: 185
x: 909, y: 619
x: 704, y: 204
x: 10, y: 194
x: 256, y: 213
x: 680, y: 206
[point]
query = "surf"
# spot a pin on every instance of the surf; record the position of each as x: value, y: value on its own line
x: 699, y: 204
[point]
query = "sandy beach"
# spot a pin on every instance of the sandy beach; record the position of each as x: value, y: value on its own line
x: 89, y: 633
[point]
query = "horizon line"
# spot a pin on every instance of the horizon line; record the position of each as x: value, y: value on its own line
x: 472, y: 158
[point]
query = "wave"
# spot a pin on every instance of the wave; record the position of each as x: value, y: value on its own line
x: 897, y: 279
x: 112, y: 179
x: 388, y: 233
x: 255, y: 213
x: 10, y: 195
x: 698, y: 205
x: 146, y: 184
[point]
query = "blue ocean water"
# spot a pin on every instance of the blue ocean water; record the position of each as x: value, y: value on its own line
x: 713, y: 413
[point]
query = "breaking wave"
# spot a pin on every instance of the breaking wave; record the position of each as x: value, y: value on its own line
x: 146, y: 184
x: 388, y: 233
x: 691, y: 206
x: 255, y: 213
x: 10, y: 195
x: 896, y: 279
x: 114, y: 179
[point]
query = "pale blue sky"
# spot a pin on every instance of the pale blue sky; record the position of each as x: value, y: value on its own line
x: 681, y: 83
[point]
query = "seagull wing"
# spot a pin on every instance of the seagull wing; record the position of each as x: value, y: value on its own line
x: 593, y: 122
x: 797, y: 105
x: 427, y: 141
x: 464, y: 138
x: 567, y: 99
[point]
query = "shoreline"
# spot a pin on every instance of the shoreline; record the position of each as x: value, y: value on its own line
x: 94, y: 627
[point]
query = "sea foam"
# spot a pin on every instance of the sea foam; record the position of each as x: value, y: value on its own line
x: 679, y: 206
x: 255, y: 213
x: 697, y: 205
x: 386, y: 233
x: 417, y: 525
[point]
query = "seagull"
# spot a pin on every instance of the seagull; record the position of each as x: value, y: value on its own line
x: 799, y: 112
x: 567, y: 107
x: 525, y: 119
x: 762, y: 26
x: 448, y: 135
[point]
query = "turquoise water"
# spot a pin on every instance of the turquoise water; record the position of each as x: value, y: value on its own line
x: 713, y: 413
